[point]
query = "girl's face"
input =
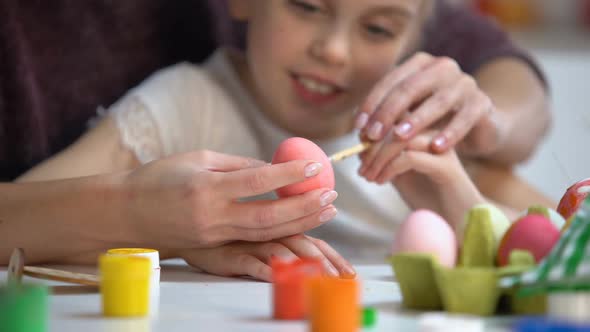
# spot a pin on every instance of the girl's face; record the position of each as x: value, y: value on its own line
x: 311, y: 62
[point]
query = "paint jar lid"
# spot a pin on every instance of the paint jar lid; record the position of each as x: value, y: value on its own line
x: 152, y: 254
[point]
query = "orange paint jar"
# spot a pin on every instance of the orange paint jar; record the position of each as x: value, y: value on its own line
x: 289, y: 294
x: 334, y: 304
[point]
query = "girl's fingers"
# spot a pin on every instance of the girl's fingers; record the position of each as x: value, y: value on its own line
x: 228, y: 261
x: 387, y: 152
x: 265, y: 251
x: 411, y: 91
x: 421, y: 162
x: 342, y: 265
x: 246, y: 264
x: 270, y: 213
x: 462, y: 123
x: 297, y: 226
x: 369, y: 156
x: 415, y: 157
x: 303, y: 247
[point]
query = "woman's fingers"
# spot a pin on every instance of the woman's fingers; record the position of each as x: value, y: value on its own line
x: 408, y: 93
x: 270, y: 213
x: 420, y: 93
x: 466, y: 119
x: 221, y: 162
x: 260, y: 180
x: 379, y: 93
x: 433, y: 109
x: 297, y: 226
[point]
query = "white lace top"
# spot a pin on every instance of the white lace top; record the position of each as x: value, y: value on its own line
x: 187, y: 107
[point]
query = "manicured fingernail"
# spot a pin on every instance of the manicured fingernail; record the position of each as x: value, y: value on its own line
x: 349, y: 272
x: 440, y: 141
x: 403, y: 129
x: 328, y: 197
x: 328, y: 214
x: 361, y: 121
x: 332, y: 270
x: 375, y: 131
x: 313, y: 169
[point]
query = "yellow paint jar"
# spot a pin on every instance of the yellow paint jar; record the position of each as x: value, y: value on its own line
x: 124, y: 285
x: 154, y: 258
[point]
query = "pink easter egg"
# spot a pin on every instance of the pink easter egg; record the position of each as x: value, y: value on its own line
x: 428, y: 233
x: 534, y: 233
x: 297, y: 148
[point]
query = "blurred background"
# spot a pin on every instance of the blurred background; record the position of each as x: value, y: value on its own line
x: 557, y: 33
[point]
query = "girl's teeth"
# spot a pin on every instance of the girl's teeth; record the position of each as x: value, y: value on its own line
x: 316, y: 86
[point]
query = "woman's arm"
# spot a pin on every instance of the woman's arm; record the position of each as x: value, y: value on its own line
x: 51, y: 220
x: 189, y: 200
x: 501, y: 185
x: 521, y: 114
x: 99, y: 151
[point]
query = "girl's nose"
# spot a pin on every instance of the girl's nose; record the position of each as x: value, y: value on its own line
x: 331, y: 47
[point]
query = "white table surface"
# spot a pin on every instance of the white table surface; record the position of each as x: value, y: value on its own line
x: 191, y: 301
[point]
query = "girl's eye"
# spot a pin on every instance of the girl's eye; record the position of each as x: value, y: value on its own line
x: 378, y: 31
x: 305, y: 6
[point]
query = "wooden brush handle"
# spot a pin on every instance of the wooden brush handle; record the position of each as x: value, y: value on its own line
x: 341, y: 155
x: 64, y: 276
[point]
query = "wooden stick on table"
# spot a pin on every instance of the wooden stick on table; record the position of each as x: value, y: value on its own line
x: 17, y: 268
x: 64, y: 276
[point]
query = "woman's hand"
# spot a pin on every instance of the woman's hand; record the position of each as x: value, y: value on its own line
x: 425, y: 180
x: 192, y: 201
x: 423, y: 91
x: 253, y: 259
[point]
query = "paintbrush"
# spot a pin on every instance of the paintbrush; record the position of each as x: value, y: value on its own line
x: 341, y: 155
x: 17, y: 268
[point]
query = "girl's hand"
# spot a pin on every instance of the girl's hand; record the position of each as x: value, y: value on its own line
x: 424, y: 90
x: 253, y: 259
x: 192, y: 200
x: 426, y: 181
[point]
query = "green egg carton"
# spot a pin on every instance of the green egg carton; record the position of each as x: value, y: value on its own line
x: 416, y: 278
x: 530, y: 305
x: 468, y: 290
x: 473, y: 287
x: 425, y: 285
x: 520, y: 262
x: 480, y: 243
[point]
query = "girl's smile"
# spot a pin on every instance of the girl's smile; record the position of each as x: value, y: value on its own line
x: 315, y: 90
